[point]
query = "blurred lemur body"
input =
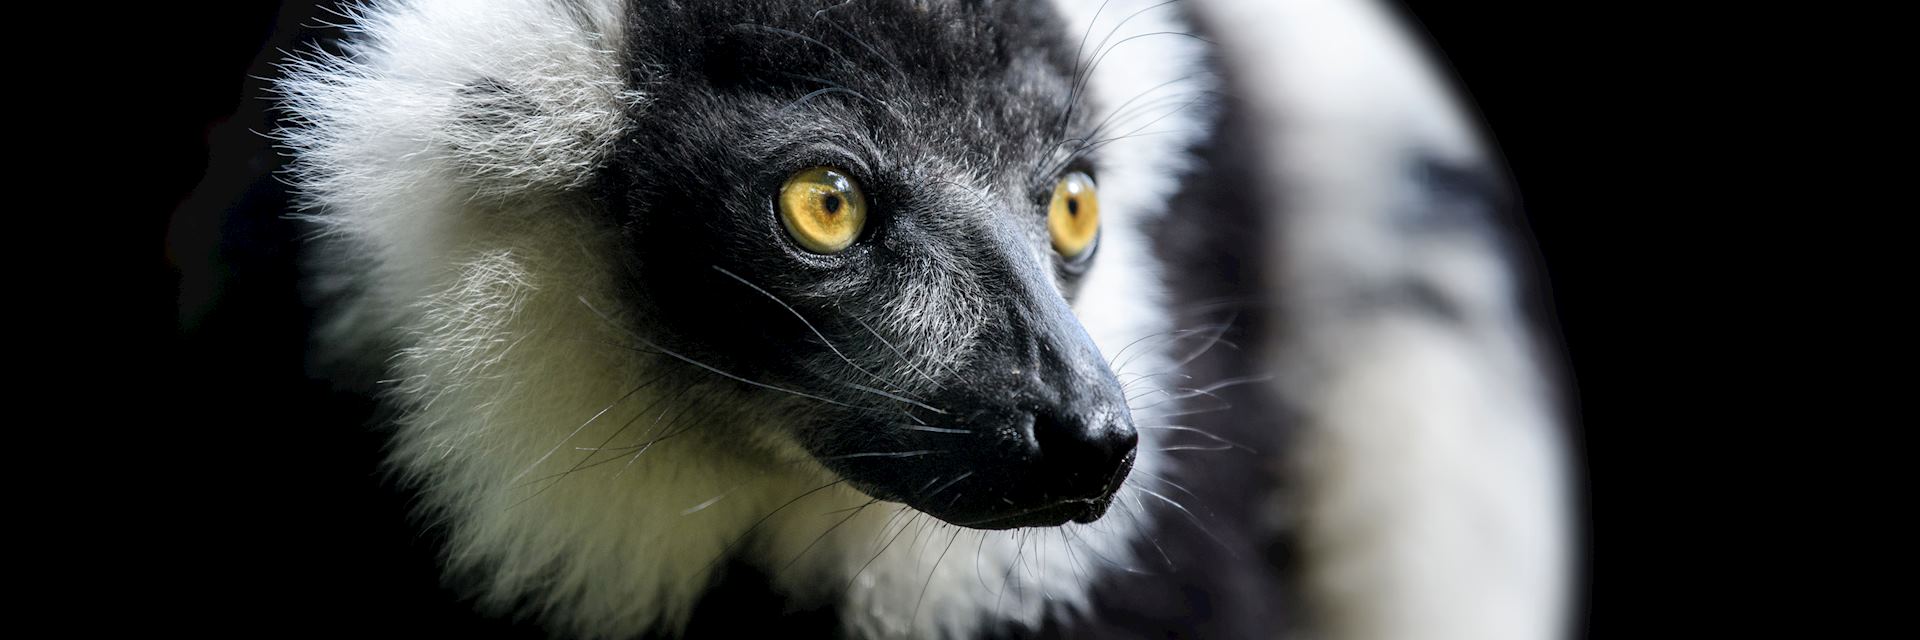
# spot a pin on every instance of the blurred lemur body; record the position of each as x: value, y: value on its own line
x: 934, y: 318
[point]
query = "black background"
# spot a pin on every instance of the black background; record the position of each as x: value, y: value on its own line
x: 285, y: 524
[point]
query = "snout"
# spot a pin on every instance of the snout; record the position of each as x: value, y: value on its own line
x: 1032, y: 428
x: 1022, y: 464
x: 1067, y: 467
x: 1049, y: 445
x: 1044, y: 437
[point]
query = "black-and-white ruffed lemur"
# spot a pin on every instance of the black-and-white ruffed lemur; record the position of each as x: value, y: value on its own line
x: 941, y: 318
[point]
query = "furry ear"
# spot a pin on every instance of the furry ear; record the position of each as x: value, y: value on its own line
x: 429, y: 114
x: 513, y: 97
x: 503, y: 138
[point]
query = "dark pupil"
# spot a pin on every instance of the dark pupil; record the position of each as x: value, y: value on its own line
x: 1073, y: 207
x: 832, y: 203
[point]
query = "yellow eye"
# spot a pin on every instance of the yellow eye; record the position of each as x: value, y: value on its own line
x: 1074, y: 216
x: 822, y: 209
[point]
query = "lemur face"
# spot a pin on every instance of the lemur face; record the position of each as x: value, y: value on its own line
x: 879, y: 236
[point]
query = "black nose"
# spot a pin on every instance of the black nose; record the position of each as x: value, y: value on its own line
x: 1082, y: 457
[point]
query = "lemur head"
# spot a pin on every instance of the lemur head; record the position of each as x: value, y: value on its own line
x: 883, y: 232
x: 884, y: 247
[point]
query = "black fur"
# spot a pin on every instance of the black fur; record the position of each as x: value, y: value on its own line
x: 716, y: 124
x: 956, y: 121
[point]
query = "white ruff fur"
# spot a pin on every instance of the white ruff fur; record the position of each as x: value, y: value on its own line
x: 487, y: 268
x: 1430, y: 473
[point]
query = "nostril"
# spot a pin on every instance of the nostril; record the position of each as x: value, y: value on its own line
x: 1081, y: 455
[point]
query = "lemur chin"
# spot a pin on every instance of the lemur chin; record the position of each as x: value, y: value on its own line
x: 872, y: 299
